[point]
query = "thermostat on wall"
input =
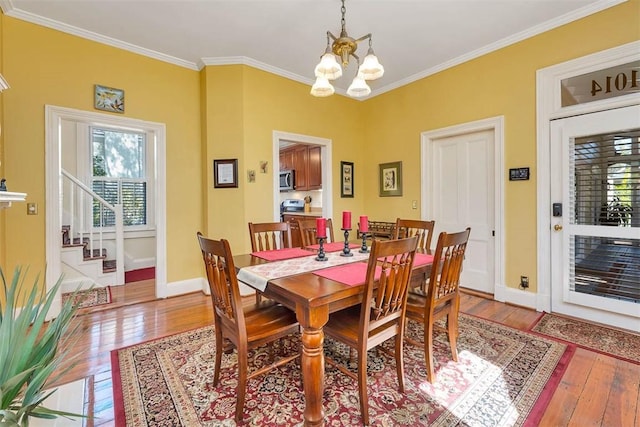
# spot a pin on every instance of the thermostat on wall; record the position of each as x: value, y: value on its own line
x: 519, y: 174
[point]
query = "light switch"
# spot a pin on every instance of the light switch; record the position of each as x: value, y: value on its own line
x: 414, y: 204
x: 32, y: 209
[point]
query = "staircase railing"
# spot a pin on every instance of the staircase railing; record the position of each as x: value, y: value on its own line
x: 79, y: 200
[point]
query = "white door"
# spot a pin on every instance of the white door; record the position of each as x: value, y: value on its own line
x: 595, y: 227
x: 463, y: 196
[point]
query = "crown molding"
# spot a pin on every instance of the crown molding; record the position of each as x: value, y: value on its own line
x: 245, y: 60
x: 507, y: 41
x: 10, y: 10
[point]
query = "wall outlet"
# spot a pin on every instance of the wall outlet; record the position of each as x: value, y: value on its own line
x: 524, y: 282
x: 32, y: 209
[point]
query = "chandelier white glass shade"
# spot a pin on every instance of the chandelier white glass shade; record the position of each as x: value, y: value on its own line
x: 344, y: 47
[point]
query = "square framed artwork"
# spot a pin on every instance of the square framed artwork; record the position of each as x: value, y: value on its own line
x: 108, y: 99
x: 225, y: 173
x: 390, y: 176
x: 346, y: 179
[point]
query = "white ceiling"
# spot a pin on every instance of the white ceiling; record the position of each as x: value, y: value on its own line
x: 412, y: 38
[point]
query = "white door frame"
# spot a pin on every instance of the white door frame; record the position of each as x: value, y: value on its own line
x: 326, y: 156
x: 53, y: 117
x: 496, y: 124
x: 548, y: 107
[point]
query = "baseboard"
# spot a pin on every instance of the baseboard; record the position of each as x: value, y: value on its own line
x: 186, y: 287
x: 521, y: 298
x: 139, y: 274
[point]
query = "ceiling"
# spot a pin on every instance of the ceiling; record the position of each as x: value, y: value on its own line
x: 412, y: 38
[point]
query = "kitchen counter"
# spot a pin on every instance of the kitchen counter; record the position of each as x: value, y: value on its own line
x: 312, y: 213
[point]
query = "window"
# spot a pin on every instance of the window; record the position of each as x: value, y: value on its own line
x: 119, y: 175
x: 607, y: 193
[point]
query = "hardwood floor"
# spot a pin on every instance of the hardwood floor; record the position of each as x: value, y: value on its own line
x: 596, y: 390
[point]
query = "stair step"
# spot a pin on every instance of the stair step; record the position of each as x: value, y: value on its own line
x: 108, y: 266
x: 95, y: 255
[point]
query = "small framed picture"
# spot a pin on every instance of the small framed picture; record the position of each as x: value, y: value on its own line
x: 109, y: 99
x: 225, y: 173
x: 346, y: 178
x: 390, y: 175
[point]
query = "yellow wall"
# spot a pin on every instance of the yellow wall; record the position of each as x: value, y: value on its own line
x: 500, y: 83
x: 45, y: 66
x: 244, y: 107
x: 231, y: 112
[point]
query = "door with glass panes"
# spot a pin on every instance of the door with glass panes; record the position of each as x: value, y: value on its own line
x: 595, y: 227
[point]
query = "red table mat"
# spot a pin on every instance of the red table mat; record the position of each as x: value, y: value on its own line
x: 349, y: 274
x: 356, y: 273
x: 422, y: 259
x: 280, y: 254
x: 334, y: 246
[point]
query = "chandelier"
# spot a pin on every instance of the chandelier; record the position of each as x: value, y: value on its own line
x: 329, y: 68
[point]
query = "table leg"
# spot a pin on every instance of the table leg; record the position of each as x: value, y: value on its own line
x: 312, y: 361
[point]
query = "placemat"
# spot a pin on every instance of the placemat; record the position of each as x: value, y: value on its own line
x: 350, y: 274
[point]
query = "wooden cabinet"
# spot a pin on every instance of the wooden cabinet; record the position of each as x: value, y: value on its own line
x: 306, y: 161
x: 314, y: 171
x: 301, y: 165
x: 286, y: 160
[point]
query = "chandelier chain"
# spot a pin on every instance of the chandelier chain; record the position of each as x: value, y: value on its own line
x: 344, y: 10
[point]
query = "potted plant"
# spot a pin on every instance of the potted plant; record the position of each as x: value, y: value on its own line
x: 615, y: 212
x: 30, y: 349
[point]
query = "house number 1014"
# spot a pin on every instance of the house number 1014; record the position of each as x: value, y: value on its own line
x: 620, y: 83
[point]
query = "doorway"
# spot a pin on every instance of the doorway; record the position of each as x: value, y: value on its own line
x: 462, y: 187
x: 595, y: 232
x: 280, y: 138
x: 553, y: 275
x: 64, y: 123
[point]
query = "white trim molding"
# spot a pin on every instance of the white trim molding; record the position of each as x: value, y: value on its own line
x: 496, y: 124
x: 326, y: 160
x: 54, y: 116
x: 548, y: 107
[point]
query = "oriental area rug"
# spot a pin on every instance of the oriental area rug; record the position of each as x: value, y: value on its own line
x: 89, y: 297
x: 614, y: 342
x: 503, y: 377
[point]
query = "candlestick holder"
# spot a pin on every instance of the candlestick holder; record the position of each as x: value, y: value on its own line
x: 364, y: 249
x: 321, y: 255
x: 346, y: 251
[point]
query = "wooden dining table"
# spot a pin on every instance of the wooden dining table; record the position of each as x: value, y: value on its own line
x: 313, y: 298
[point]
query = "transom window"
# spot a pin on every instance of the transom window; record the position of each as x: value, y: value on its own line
x: 119, y: 175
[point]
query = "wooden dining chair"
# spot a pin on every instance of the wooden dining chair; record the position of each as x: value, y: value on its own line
x: 245, y: 327
x: 307, y: 229
x: 381, y: 315
x: 442, y: 298
x: 266, y: 236
x: 412, y: 227
x: 424, y: 230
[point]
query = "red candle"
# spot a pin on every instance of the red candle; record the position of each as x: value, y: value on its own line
x: 346, y: 220
x: 321, y: 228
x: 364, y: 224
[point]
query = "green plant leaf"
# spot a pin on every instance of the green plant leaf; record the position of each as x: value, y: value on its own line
x: 30, y: 346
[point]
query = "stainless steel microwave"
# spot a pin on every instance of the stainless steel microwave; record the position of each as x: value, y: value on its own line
x: 287, y: 180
